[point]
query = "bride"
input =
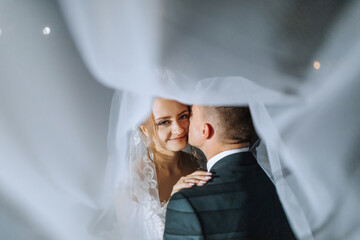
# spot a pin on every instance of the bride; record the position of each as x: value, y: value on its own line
x: 160, y: 167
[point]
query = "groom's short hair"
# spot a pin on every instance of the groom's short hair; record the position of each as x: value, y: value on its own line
x: 232, y: 124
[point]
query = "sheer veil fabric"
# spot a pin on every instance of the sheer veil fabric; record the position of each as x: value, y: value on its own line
x: 295, y: 63
x: 290, y: 70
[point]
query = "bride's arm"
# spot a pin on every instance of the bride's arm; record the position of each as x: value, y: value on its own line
x: 199, y: 178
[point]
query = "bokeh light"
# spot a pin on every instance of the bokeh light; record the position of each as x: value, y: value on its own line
x: 317, y: 65
x: 46, y: 31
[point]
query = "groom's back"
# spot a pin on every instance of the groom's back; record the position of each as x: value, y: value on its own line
x: 239, y: 203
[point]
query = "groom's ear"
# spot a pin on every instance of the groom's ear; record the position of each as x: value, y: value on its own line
x: 207, y: 131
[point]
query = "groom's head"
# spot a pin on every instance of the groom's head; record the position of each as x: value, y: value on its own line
x: 220, y: 127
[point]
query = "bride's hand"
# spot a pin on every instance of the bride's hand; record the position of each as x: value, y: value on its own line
x: 198, y: 178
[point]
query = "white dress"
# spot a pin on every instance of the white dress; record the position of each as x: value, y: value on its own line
x: 144, y: 188
x: 146, y: 195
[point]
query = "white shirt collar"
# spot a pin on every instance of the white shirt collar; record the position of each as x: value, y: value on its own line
x: 221, y: 155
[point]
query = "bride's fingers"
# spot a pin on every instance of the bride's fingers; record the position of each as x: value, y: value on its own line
x: 206, y: 177
x: 189, y: 181
x: 197, y: 180
x: 199, y: 177
x: 181, y: 185
x: 184, y: 181
x: 200, y: 173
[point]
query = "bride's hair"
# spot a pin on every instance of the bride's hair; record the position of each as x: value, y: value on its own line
x: 150, y: 126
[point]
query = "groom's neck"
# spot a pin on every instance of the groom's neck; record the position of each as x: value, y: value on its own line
x: 212, y: 149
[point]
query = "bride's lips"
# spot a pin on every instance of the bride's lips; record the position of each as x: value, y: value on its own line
x: 178, y: 138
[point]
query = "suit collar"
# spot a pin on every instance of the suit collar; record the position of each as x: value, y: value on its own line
x: 237, y: 159
x: 212, y: 161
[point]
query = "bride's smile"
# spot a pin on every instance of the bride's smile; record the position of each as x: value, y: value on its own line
x: 171, y: 120
x: 181, y: 138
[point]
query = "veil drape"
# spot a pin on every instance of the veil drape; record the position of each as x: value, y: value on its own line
x: 294, y: 62
x: 297, y: 61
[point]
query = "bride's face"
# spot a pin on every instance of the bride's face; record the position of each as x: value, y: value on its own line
x: 171, y: 121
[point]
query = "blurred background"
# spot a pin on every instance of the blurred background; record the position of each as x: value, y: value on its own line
x: 53, y: 126
x: 60, y: 62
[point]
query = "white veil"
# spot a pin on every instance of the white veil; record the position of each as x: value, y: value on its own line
x: 294, y: 62
x: 236, y: 87
x: 272, y: 49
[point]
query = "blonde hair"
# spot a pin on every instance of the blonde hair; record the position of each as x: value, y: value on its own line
x: 150, y: 126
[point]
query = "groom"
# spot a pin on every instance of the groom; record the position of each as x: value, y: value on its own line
x: 240, y: 201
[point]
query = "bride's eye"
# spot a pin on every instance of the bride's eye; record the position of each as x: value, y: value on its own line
x: 164, y: 123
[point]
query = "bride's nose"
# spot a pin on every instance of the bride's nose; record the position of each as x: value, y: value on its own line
x: 177, y: 129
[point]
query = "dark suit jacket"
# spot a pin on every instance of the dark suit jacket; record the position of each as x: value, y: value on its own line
x: 239, y: 202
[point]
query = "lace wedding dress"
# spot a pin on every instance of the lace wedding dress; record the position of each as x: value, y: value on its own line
x: 144, y: 187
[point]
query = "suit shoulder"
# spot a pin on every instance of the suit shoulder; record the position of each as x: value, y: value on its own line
x: 182, y: 221
x: 179, y: 202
